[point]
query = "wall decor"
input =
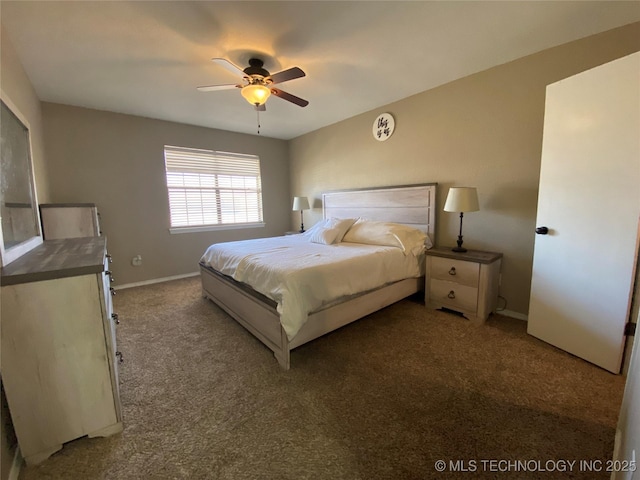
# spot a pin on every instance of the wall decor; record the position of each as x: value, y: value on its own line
x: 383, y: 127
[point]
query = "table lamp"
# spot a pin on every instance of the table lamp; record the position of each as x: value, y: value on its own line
x: 301, y: 203
x: 461, y: 199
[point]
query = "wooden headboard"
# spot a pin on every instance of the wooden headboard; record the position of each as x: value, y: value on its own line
x: 412, y: 205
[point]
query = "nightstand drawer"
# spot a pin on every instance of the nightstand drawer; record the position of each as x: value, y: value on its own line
x: 454, y: 295
x: 458, y: 271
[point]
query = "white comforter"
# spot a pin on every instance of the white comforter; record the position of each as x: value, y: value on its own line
x: 301, y: 276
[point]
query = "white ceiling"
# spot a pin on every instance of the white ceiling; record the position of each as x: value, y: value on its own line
x: 147, y: 58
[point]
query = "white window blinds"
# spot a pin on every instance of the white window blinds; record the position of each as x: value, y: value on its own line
x: 212, y: 188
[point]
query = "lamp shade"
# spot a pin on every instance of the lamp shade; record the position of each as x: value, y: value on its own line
x: 255, y: 94
x: 300, y: 203
x: 462, y: 199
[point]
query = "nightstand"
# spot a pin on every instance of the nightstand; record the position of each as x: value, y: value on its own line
x: 464, y: 282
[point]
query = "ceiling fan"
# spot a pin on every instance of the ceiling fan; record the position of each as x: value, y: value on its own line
x: 257, y: 82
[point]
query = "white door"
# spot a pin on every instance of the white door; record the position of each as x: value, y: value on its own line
x: 589, y: 199
x: 627, y: 445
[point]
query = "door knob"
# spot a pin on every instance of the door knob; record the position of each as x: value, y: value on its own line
x: 542, y: 230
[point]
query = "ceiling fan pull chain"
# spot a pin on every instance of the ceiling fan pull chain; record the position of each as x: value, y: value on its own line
x: 258, y: 115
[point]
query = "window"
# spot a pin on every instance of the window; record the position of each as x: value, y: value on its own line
x: 208, y: 189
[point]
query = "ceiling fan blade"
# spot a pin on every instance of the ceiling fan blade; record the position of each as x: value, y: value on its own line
x: 285, y: 75
x: 232, y: 67
x: 211, y: 88
x: 289, y: 98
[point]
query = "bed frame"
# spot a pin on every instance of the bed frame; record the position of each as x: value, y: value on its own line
x: 411, y: 205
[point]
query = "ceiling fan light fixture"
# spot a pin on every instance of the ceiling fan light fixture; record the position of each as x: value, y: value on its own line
x: 256, y: 94
x: 257, y: 83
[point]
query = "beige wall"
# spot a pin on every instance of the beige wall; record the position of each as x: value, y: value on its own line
x: 117, y: 162
x: 17, y: 87
x: 484, y: 130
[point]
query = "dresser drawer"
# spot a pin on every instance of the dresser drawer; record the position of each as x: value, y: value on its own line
x: 454, y: 295
x: 458, y: 271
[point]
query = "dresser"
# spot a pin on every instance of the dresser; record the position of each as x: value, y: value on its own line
x: 463, y: 282
x: 59, y: 359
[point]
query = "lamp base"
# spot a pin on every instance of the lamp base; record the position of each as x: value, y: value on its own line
x: 459, y: 248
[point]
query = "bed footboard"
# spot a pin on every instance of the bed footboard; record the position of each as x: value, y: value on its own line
x: 254, y: 314
x: 259, y: 315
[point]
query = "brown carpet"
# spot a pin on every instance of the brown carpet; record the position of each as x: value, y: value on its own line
x: 383, y: 398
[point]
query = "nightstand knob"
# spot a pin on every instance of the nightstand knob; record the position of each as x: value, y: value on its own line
x: 452, y: 271
x: 452, y: 294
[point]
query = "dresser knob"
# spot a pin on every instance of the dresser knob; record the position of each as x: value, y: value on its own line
x: 109, y: 257
x: 115, y: 317
x: 452, y: 271
x: 119, y: 355
x: 113, y: 292
x: 452, y: 294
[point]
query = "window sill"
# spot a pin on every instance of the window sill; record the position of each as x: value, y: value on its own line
x: 212, y: 228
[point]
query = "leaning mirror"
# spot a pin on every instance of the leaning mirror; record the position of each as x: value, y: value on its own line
x: 20, y: 222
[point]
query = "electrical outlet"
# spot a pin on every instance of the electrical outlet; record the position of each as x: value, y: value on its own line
x: 136, y: 261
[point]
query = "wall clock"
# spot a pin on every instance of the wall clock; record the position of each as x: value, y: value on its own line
x: 383, y: 127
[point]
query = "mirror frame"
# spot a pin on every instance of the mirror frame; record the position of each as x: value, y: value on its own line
x: 8, y: 255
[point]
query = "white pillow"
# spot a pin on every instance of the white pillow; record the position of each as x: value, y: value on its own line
x: 330, y: 230
x: 408, y: 239
x: 315, y: 227
x: 343, y: 225
x: 325, y: 236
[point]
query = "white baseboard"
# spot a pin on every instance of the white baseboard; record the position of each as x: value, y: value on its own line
x: 156, y: 280
x: 512, y: 314
x: 16, y: 465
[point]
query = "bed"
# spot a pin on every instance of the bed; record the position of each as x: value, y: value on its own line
x: 282, y: 329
